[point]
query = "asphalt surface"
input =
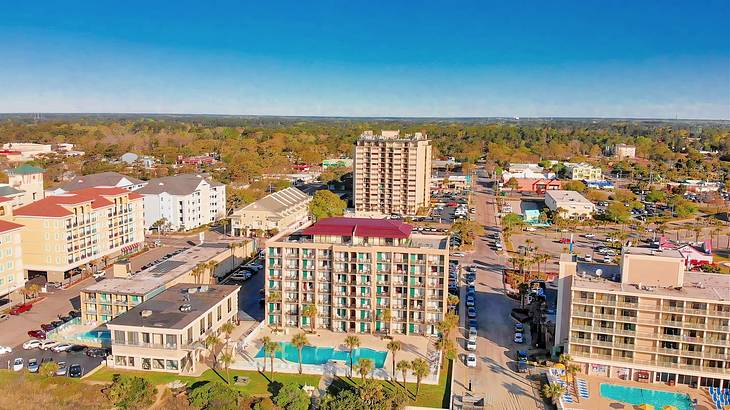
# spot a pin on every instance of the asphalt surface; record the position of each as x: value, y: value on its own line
x: 86, y: 362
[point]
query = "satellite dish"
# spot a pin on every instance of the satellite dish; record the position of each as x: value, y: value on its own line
x: 599, y: 272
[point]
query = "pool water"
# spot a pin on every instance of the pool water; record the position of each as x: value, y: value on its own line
x: 321, y: 355
x: 637, y: 396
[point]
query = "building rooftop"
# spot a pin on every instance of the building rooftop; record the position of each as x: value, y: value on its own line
x: 164, y: 310
x: 25, y: 170
x: 6, y: 190
x: 667, y: 253
x: 102, y: 179
x: 361, y: 227
x: 561, y: 195
x: 183, y: 184
x: 159, y: 275
x: 278, y: 202
x: 392, y: 135
x: 53, y: 206
x: 6, y: 226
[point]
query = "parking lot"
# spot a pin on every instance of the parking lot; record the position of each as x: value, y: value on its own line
x: 87, y: 363
x: 249, y: 298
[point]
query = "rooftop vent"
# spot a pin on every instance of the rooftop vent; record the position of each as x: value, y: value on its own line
x: 203, y: 288
x: 145, y: 313
x: 192, y: 290
x: 186, y: 307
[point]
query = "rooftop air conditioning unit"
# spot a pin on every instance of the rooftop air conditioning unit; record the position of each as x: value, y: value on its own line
x: 185, y: 308
x: 145, y: 313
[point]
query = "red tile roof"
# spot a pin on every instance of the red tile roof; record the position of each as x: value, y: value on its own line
x: 362, y: 227
x: 5, y: 199
x: 52, y: 206
x: 6, y: 226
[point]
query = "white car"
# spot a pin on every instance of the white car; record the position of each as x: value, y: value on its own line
x: 458, y: 254
x: 471, y: 346
x: 61, y: 347
x: 472, y: 335
x: 5, y: 349
x: 589, y: 236
x: 588, y: 258
x: 18, y: 364
x: 99, y: 274
x: 469, y: 301
x: 530, y: 229
x: 31, y: 344
x: 47, y: 344
x: 471, y: 360
x: 519, y: 338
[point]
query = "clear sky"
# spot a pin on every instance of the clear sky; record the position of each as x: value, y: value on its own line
x: 604, y: 58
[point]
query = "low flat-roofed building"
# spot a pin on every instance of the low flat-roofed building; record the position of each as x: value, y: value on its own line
x: 570, y: 204
x: 102, y: 301
x: 278, y: 211
x: 646, y: 319
x: 167, y: 333
x: 583, y: 171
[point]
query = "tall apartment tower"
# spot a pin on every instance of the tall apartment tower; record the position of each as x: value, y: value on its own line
x: 391, y: 173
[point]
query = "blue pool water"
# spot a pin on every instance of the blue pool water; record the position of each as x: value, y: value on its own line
x: 321, y: 355
x: 636, y: 396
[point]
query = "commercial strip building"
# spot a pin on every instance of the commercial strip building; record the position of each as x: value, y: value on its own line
x: 569, y: 204
x: 167, y: 333
x: 184, y: 201
x: 392, y: 173
x: 111, y: 297
x: 100, y: 180
x: 12, y: 274
x: 536, y: 185
x: 355, y: 270
x: 277, y: 211
x: 583, y: 171
x: 86, y: 227
x: 646, y: 319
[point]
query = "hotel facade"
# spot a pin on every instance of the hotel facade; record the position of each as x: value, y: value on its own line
x: 391, y: 173
x: 355, y: 271
x: 645, y: 319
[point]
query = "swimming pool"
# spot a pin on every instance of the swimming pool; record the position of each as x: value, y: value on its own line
x: 636, y: 396
x: 321, y: 355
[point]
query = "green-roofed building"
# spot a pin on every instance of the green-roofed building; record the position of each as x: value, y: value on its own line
x: 25, y: 185
x: 25, y: 169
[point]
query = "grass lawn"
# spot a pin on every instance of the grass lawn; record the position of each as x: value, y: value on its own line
x: 430, y: 395
x: 23, y: 390
x: 258, y: 384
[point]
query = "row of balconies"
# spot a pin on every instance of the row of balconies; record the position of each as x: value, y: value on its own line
x: 655, y: 335
x: 656, y: 362
x: 662, y: 308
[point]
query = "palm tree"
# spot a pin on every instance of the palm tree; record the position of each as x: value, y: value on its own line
x: 697, y: 231
x: 310, y: 312
x: 570, y: 368
x: 227, y: 329
x: 386, y: 315
x: 446, y: 347
x: 270, y: 349
x: 264, y: 342
x: 224, y: 224
x: 352, y: 342
x: 300, y: 340
x: 211, y: 266
x: 212, y: 342
x: 523, y: 288
x: 226, y: 359
x: 403, y: 366
x: 197, y: 272
x: 448, y: 324
x: 420, y: 369
x: 364, y: 367
x: 553, y: 391
x: 393, y: 346
x: 452, y: 300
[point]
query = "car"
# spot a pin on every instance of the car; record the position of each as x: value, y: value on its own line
x: 53, y: 285
x: 77, y: 348
x: 519, y: 338
x: 471, y: 346
x: 33, y: 365
x: 588, y: 258
x: 473, y: 324
x: 262, y: 300
x: 469, y: 301
x: 589, y: 236
x: 472, y: 334
x: 47, y: 327
x: 31, y: 344
x: 5, y: 349
x: 18, y: 364
x: 97, y: 352
x: 21, y: 308
x: 530, y: 229
x: 564, y: 240
x: 65, y: 319
x: 522, y: 355
x: 471, y: 360
x: 519, y: 327
x: 74, y: 313
x: 75, y: 370
x: 62, y: 369
x: 607, y: 259
x: 100, y: 274
x: 37, y: 334
x: 47, y: 344
x: 457, y: 255
x: 471, y: 312
x: 4, y: 317
x: 62, y: 347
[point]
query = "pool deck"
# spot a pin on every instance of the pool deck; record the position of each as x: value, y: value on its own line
x: 595, y: 401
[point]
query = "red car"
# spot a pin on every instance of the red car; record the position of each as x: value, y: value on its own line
x: 564, y: 240
x: 21, y: 308
x: 37, y: 334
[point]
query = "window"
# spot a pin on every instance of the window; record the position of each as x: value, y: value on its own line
x: 120, y: 360
x: 171, y: 341
x: 171, y: 365
x: 202, y: 325
x: 190, y: 335
x: 130, y: 361
x: 229, y: 304
x: 132, y: 338
x: 158, y: 364
x: 119, y: 337
x: 210, y: 320
x: 219, y: 312
x: 146, y: 338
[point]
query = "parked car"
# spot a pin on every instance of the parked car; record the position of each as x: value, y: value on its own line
x: 53, y: 285
x: 469, y: 301
x: 62, y: 369
x: 472, y: 334
x: 100, y: 274
x: 4, y: 317
x: 47, y: 327
x: 62, y: 347
x: 589, y: 236
x: 33, y: 365
x: 37, y: 334
x: 21, y: 308
x: 519, y: 327
x: 471, y: 346
x: 31, y: 344
x: 564, y: 240
x: 74, y: 313
x: 519, y: 338
x: 97, y: 352
x: 471, y: 360
x: 5, y: 349
x: 18, y: 364
x: 47, y: 344
x: 75, y: 371
x: 471, y: 312
x: 588, y: 258
x: 77, y: 348
x: 457, y: 255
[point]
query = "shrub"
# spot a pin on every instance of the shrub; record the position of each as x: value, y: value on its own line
x: 131, y: 392
x: 292, y: 397
x: 214, y: 395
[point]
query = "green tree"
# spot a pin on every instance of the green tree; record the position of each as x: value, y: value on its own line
x: 226, y: 359
x: 310, y: 312
x: 419, y: 368
x: 364, y: 367
x: 326, y: 204
x: 393, y: 346
x: 656, y: 196
x: 572, y: 185
x: 403, y: 366
x: 352, y: 342
x: 214, y: 396
x: 212, y: 343
x: 553, y: 392
x: 300, y: 340
x: 292, y: 397
x: 48, y: 369
x: 617, y: 212
x: 270, y: 349
x: 131, y: 392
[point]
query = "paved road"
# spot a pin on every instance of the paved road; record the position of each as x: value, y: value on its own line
x: 495, y: 376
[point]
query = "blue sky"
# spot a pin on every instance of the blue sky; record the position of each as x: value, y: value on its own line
x: 378, y: 58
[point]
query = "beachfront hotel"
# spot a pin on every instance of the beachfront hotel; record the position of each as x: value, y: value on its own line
x: 391, y: 173
x: 355, y: 271
x: 646, y: 319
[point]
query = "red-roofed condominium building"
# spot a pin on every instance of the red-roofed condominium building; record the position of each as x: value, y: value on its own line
x: 12, y: 276
x: 363, y: 276
x: 65, y: 233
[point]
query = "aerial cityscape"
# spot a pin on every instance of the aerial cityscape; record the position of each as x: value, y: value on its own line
x: 354, y: 206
